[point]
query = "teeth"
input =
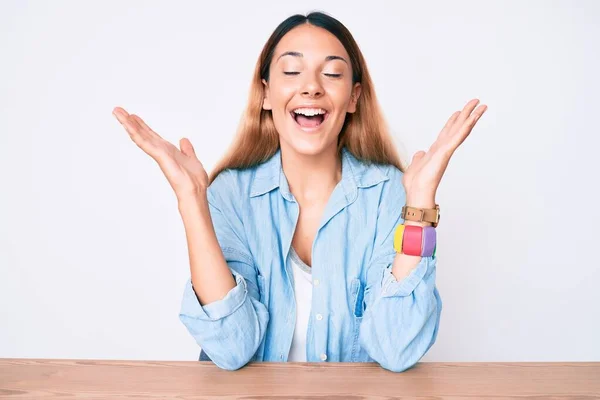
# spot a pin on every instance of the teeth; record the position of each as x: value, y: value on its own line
x: 309, y: 112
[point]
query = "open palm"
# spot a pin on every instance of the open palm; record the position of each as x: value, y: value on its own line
x: 183, y: 170
x: 427, y: 168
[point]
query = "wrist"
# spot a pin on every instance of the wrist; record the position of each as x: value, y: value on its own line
x: 416, y: 223
x: 419, y: 200
x: 192, y: 201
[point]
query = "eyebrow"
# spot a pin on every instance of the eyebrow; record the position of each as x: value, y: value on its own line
x: 297, y: 54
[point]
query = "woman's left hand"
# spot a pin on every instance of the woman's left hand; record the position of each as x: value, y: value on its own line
x: 423, y: 175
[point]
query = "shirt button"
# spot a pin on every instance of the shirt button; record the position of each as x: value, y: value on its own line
x: 323, y: 357
x: 316, y: 282
x: 319, y: 317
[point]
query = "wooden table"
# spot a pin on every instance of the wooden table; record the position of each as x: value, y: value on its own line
x: 104, y: 379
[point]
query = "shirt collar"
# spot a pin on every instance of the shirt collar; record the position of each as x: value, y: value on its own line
x: 355, y: 174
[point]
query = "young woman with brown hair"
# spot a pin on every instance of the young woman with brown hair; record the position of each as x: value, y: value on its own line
x: 299, y: 243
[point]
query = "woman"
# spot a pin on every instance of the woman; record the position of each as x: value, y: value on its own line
x: 298, y: 244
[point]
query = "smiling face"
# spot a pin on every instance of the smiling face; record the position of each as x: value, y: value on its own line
x: 310, y: 89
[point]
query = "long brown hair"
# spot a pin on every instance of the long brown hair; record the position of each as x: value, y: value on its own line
x: 364, y: 133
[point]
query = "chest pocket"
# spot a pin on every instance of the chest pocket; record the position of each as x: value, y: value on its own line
x: 357, y: 290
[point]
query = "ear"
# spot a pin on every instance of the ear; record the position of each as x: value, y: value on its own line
x: 266, y: 102
x: 354, y: 97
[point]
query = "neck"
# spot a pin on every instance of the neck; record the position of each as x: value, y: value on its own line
x: 312, y: 178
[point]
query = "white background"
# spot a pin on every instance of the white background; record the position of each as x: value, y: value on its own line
x: 93, y: 258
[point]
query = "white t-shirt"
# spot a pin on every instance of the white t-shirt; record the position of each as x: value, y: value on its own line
x: 303, y: 293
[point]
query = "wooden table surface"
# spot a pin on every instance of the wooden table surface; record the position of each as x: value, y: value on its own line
x: 112, y: 379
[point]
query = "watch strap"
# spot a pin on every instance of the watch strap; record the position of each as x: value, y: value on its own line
x: 415, y: 214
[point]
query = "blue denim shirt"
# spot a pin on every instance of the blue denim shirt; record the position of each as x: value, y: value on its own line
x: 359, y: 312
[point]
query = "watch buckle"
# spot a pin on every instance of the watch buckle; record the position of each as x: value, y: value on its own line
x: 412, y: 212
x: 422, y: 215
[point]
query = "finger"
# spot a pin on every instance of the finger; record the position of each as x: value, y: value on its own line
x: 417, y: 156
x: 146, y: 129
x: 449, y: 124
x: 466, y: 111
x: 119, y: 113
x: 135, y: 131
x: 123, y: 117
x: 451, y: 120
x: 119, y: 110
x: 416, y: 159
x: 134, y: 121
x: 468, y: 126
x: 186, y: 147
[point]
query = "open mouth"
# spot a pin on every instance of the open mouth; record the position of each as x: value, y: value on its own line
x: 309, y: 118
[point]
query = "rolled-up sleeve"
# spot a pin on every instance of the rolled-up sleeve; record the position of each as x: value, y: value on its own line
x: 190, y: 306
x: 231, y: 329
x: 390, y: 287
x: 401, y: 319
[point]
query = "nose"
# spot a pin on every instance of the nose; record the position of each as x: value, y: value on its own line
x: 311, y: 86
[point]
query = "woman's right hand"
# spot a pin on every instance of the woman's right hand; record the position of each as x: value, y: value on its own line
x: 183, y: 170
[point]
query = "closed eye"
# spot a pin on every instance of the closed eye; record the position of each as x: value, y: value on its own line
x: 291, y: 73
x: 333, y: 75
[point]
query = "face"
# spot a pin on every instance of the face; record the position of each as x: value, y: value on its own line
x: 310, y: 89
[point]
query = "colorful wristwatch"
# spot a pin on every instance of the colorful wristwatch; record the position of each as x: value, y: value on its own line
x: 429, y: 242
x: 415, y: 240
x: 398, y: 235
x: 412, y: 240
